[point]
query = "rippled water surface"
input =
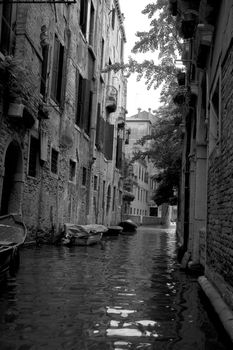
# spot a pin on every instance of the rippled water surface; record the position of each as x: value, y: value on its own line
x: 126, y: 293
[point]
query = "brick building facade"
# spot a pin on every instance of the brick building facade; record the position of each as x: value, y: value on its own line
x: 144, y: 172
x: 61, y: 117
x: 206, y: 225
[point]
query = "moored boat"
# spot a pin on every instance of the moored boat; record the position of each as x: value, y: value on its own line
x: 12, y: 235
x: 128, y: 225
x: 91, y: 239
x: 113, y: 231
x: 83, y: 235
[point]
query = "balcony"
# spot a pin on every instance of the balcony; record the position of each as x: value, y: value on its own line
x: 111, y: 99
x: 20, y: 114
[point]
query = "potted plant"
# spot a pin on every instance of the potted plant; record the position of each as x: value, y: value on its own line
x: 19, y: 90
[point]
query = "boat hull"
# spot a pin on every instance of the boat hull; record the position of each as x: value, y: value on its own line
x: 128, y: 226
x: 12, y: 236
x: 114, y: 231
x: 90, y: 240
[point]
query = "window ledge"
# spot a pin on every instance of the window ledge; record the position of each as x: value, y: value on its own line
x: 32, y: 177
x: 86, y: 136
x: 55, y: 105
x: 77, y: 128
x: 83, y: 36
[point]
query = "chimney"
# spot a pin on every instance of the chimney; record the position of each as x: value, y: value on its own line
x: 139, y: 111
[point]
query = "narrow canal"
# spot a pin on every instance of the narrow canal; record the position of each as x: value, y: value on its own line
x: 127, y: 293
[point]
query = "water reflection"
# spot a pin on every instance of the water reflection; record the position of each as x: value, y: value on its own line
x: 125, y: 294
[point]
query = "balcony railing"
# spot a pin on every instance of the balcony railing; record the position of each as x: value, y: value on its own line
x: 111, y: 99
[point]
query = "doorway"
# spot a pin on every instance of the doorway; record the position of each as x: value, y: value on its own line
x: 11, y: 200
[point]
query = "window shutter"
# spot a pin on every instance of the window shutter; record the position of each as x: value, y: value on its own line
x: 83, y: 16
x: 60, y: 73
x: 79, y: 81
x: 108, y: 140
x: 119, y: 153
x: 101, y: 133
x: 86, y: 103
x: 55, y: 68
x: 97, y: 137
x: 88, y: 124
x: 45, y: 51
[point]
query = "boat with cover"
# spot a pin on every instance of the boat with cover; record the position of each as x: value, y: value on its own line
x: 83, y: 235
x: 128, y: 225
x: 13, y: 233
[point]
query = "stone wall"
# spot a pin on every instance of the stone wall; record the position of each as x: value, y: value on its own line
x: 49, y: 200
x: 220, y: 184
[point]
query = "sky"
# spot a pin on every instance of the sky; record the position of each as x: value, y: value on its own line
x: 138, y: 96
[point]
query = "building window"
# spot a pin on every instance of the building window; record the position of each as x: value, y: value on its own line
x: 120, y: 197
x: 153, y: 211
x: 102, y: 54
x: 79, y: 83
x: 72, y: 170
x: 84, y: 103
x: 54, y: 161
x: 83, y: 16
x: 58, y: 57
x: 84, y: 177
x: 33, y: 156
x: 113, y: 198
x: 108, y: 198
x: 7, y: 27
x: 92, y: 25
x: 122, y: 49
x: 215, y: 115
x: 113, y: 18
x: 95, y: 183
x: 44, y: 67
x: 87, y: 121
x: 103, y: 197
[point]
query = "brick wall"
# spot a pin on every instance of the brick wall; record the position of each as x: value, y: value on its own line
x: 220, y: 186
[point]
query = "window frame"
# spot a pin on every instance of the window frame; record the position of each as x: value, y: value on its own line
x: 214, y: 132
x: 83, y: 16
x: 74, y: 162
x: 36, y: 160
x: 57, y: 81
x: 84, y: 176
x: 7, y: 42
x: 54, y: 151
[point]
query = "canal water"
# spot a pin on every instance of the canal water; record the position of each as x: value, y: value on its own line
x: 126, y: 293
